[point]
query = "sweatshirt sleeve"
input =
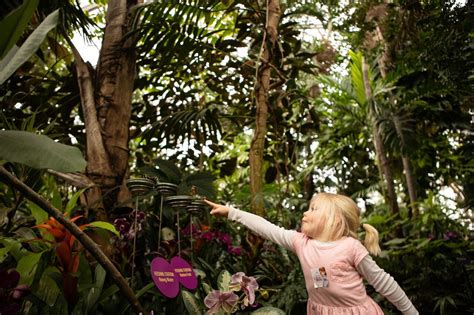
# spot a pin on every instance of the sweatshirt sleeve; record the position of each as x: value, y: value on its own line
x: 385, y: 285
x: 264, y: 228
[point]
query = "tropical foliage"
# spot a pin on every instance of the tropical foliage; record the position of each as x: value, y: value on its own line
x: 255, y: 103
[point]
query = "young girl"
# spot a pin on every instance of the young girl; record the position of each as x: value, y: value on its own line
x: 328, y: 248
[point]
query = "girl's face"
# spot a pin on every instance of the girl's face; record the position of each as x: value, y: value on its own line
x: 310, y: 222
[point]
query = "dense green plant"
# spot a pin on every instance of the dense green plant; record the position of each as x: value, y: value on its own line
x: 434, y: 261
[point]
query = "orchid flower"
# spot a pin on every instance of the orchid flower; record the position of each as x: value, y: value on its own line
x: 217, y: 300
x: 247, y: 284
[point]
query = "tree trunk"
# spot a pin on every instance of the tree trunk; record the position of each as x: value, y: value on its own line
x: 262, y: 85
x: 407, y: 169
x: 106, y: 104
x: 379, y: 148
x: 410, y: 180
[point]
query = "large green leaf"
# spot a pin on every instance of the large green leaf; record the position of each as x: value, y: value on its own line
x: 269, y: 310
x: 190, y: 302
x: 39, y: 214
x: 223, y: 280
x: 13, y: 25
x: 27, y: 267
x: 73, y: 201
x: 39, y: 151
x: 95, y: 292
x: 104, y: 225
x: 4, y: 252
x: 48, y: 290
x: 29, y: 47
x: 170, y: 170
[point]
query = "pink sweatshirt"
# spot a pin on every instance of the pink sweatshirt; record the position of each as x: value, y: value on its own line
x: 333, y: 271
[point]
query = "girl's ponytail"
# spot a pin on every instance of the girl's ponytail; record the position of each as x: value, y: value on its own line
x: 371, y: 241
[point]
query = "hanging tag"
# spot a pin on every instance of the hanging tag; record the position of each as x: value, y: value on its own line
x: 184, y: 273
x: 164, y: 277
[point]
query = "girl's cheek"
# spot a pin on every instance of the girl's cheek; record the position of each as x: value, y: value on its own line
x: 317, y: 226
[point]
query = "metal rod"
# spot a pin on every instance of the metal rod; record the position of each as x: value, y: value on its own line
x: 134, y: 240
x: 191, y: 234
x: 179, y: 237
x: 159, y: 227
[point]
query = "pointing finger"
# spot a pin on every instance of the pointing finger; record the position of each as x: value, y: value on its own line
x: 212, y: 204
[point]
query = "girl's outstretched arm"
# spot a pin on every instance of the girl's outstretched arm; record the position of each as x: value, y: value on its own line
x: 257, y: 224
x: 384, y: 284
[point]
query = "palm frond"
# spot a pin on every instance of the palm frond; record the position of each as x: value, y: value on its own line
x: 198, y: 124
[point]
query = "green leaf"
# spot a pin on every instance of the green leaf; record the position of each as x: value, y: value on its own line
x: 16, y: 249
x: 95, y: 292
x: 190, y: 303
x: 27, y: 266
x: 39, y: 151
x: 207, y: 288
x: 423, y: 243
x: 48, y: 290
x: 144, y: 290
x: 108, y: 292
x: 14, y: 24
x: 4, y: 252
x: 73, y: 201
x: 269, y: 310
x: 104, y: 225
x: 172, y: 172
x: 29, y: 47
x: 223, y: 280
x: 396, y: 241
x: 39, y: 214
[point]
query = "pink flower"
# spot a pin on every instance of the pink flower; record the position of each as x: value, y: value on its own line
x: 217, y: 300
x: 225, y: 238
x: 207, y: 236
x: 240, y: 281
x: 237, y: 251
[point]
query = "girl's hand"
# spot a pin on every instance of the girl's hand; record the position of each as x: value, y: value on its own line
x: 217, y: 209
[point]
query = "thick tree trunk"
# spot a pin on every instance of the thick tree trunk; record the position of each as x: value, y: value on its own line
x: 262, y: 86
x: 106, y: 103
x: 379, y: 148
x: 115, y: 78
x: 97, y: 161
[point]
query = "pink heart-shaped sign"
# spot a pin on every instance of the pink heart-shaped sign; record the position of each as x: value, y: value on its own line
x: 184, y: 273
x: 164, y: 277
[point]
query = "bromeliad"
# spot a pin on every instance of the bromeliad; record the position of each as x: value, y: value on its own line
x: 67, y: 254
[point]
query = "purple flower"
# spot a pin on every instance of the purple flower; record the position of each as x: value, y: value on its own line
x: 140, y: 215
x: 11, y: 293
x: 207, y: 236
x: 225, y: 238
x: 450, y: 236
x: 237, y: 251
x: 20, y: 291
x: 122, y: 225
x: 187, y: 230
x: 217, y: 300
x: 240, y: 281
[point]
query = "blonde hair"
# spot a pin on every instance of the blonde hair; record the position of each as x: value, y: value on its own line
x: 339, y: 216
